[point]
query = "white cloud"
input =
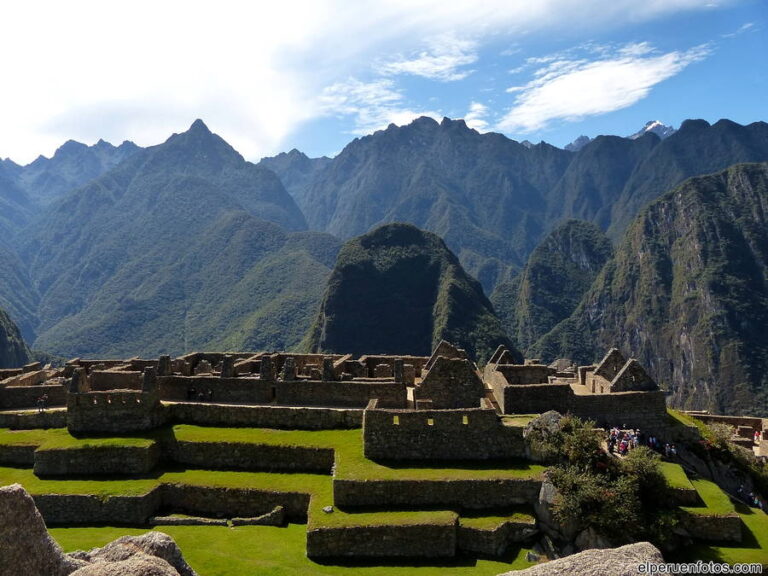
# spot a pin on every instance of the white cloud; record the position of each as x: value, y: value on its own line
x: 254, y: 71
x: 373, y: 105
x: 444, y: 60
x: 476, y: 117
x: 743, y: 28
x: 573, y: 89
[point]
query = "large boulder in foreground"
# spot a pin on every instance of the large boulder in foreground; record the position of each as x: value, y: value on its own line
x: 25, y: 545
x: 621, y: 561
x: 28, y: 549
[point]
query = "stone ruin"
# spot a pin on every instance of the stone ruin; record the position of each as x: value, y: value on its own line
x: 132, y: 395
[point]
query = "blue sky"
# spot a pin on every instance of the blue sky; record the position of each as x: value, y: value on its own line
x: 314, y: 75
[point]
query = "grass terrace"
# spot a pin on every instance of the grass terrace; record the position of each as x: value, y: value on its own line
x: 675, y: 476
x: 266, y: 550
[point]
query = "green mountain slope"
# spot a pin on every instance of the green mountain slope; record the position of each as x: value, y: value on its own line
x: 142, y: 259
x: 687, y: 294
x: 399, y: 290
x: 558, y: 273
x: 13, y: 350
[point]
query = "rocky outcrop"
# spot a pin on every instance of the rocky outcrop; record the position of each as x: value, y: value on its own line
x: 26, y: 546
x: 621, y: 561
x: 13, y: 350
x: 28, y: 549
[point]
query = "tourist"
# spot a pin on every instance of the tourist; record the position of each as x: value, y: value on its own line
x: 40, y: 405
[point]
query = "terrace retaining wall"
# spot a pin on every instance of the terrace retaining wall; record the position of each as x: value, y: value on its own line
x: 97, y: 460
x: 246, y: 456
x: 415, y: 541
x: 461, y: 494
x: 282, y: 417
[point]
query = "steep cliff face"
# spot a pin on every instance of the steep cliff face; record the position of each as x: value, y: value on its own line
x: 687, y: 293
x: 13, y: 350
x: 558, y: 273
x: 399, y: 290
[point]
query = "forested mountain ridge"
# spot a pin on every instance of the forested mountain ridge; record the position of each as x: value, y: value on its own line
x: 687, y: 293
x: 122, y: 264
x: 493, y: 199
x: 400, y: 290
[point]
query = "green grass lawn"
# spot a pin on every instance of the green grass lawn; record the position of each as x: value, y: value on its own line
x: 754, y: 546
x: 61, y: 439
x: 716, y: 502
x: 675, y: 475
x: 523, y: 515
x: 266, y: 550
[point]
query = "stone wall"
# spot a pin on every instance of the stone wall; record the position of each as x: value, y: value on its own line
x: 17, y: 455
x: 12, y: 397
x: 495, y: 541
x: 116, y: 412
x: 237, y: 456
x: 477, y: 494
x: 89, y: 509
x: 726, y: 528
x: 531, y: 398
x: 247, y: 390
x: 114, y: 380
x: 517, y: 374
x: 349, y: 393
x: 644, y: 410
x: 281, y: 417
x: 450, y: 383
x: 235, y: 390
x: 231, y: 502
x: 97, y: 460
x: 391, y: 541
x: 30, y: 419
x: 461, y: 434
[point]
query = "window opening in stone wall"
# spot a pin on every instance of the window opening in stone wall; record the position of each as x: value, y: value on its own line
x: 465, y: 420
x: 430, y: 422
x: 396, y: 420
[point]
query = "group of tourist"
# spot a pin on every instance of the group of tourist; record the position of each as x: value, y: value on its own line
x: 195, y: 395
x: 623, y: 440
x: 751, y: 498
x: 42, y: 403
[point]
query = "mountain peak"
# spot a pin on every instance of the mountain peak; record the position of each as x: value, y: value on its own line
x: 656, y: 127
x: 199, y: 126
x: 578, y: 144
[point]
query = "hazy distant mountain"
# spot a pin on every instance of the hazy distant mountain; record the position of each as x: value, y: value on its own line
x: 399, y: 290
x: 558, y: 273
x: 72, y: 165
x: 13, y: 350
x: 182, y: 245
x: 295, y: 170
x: 656, y: 127
x: 687, y: 293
